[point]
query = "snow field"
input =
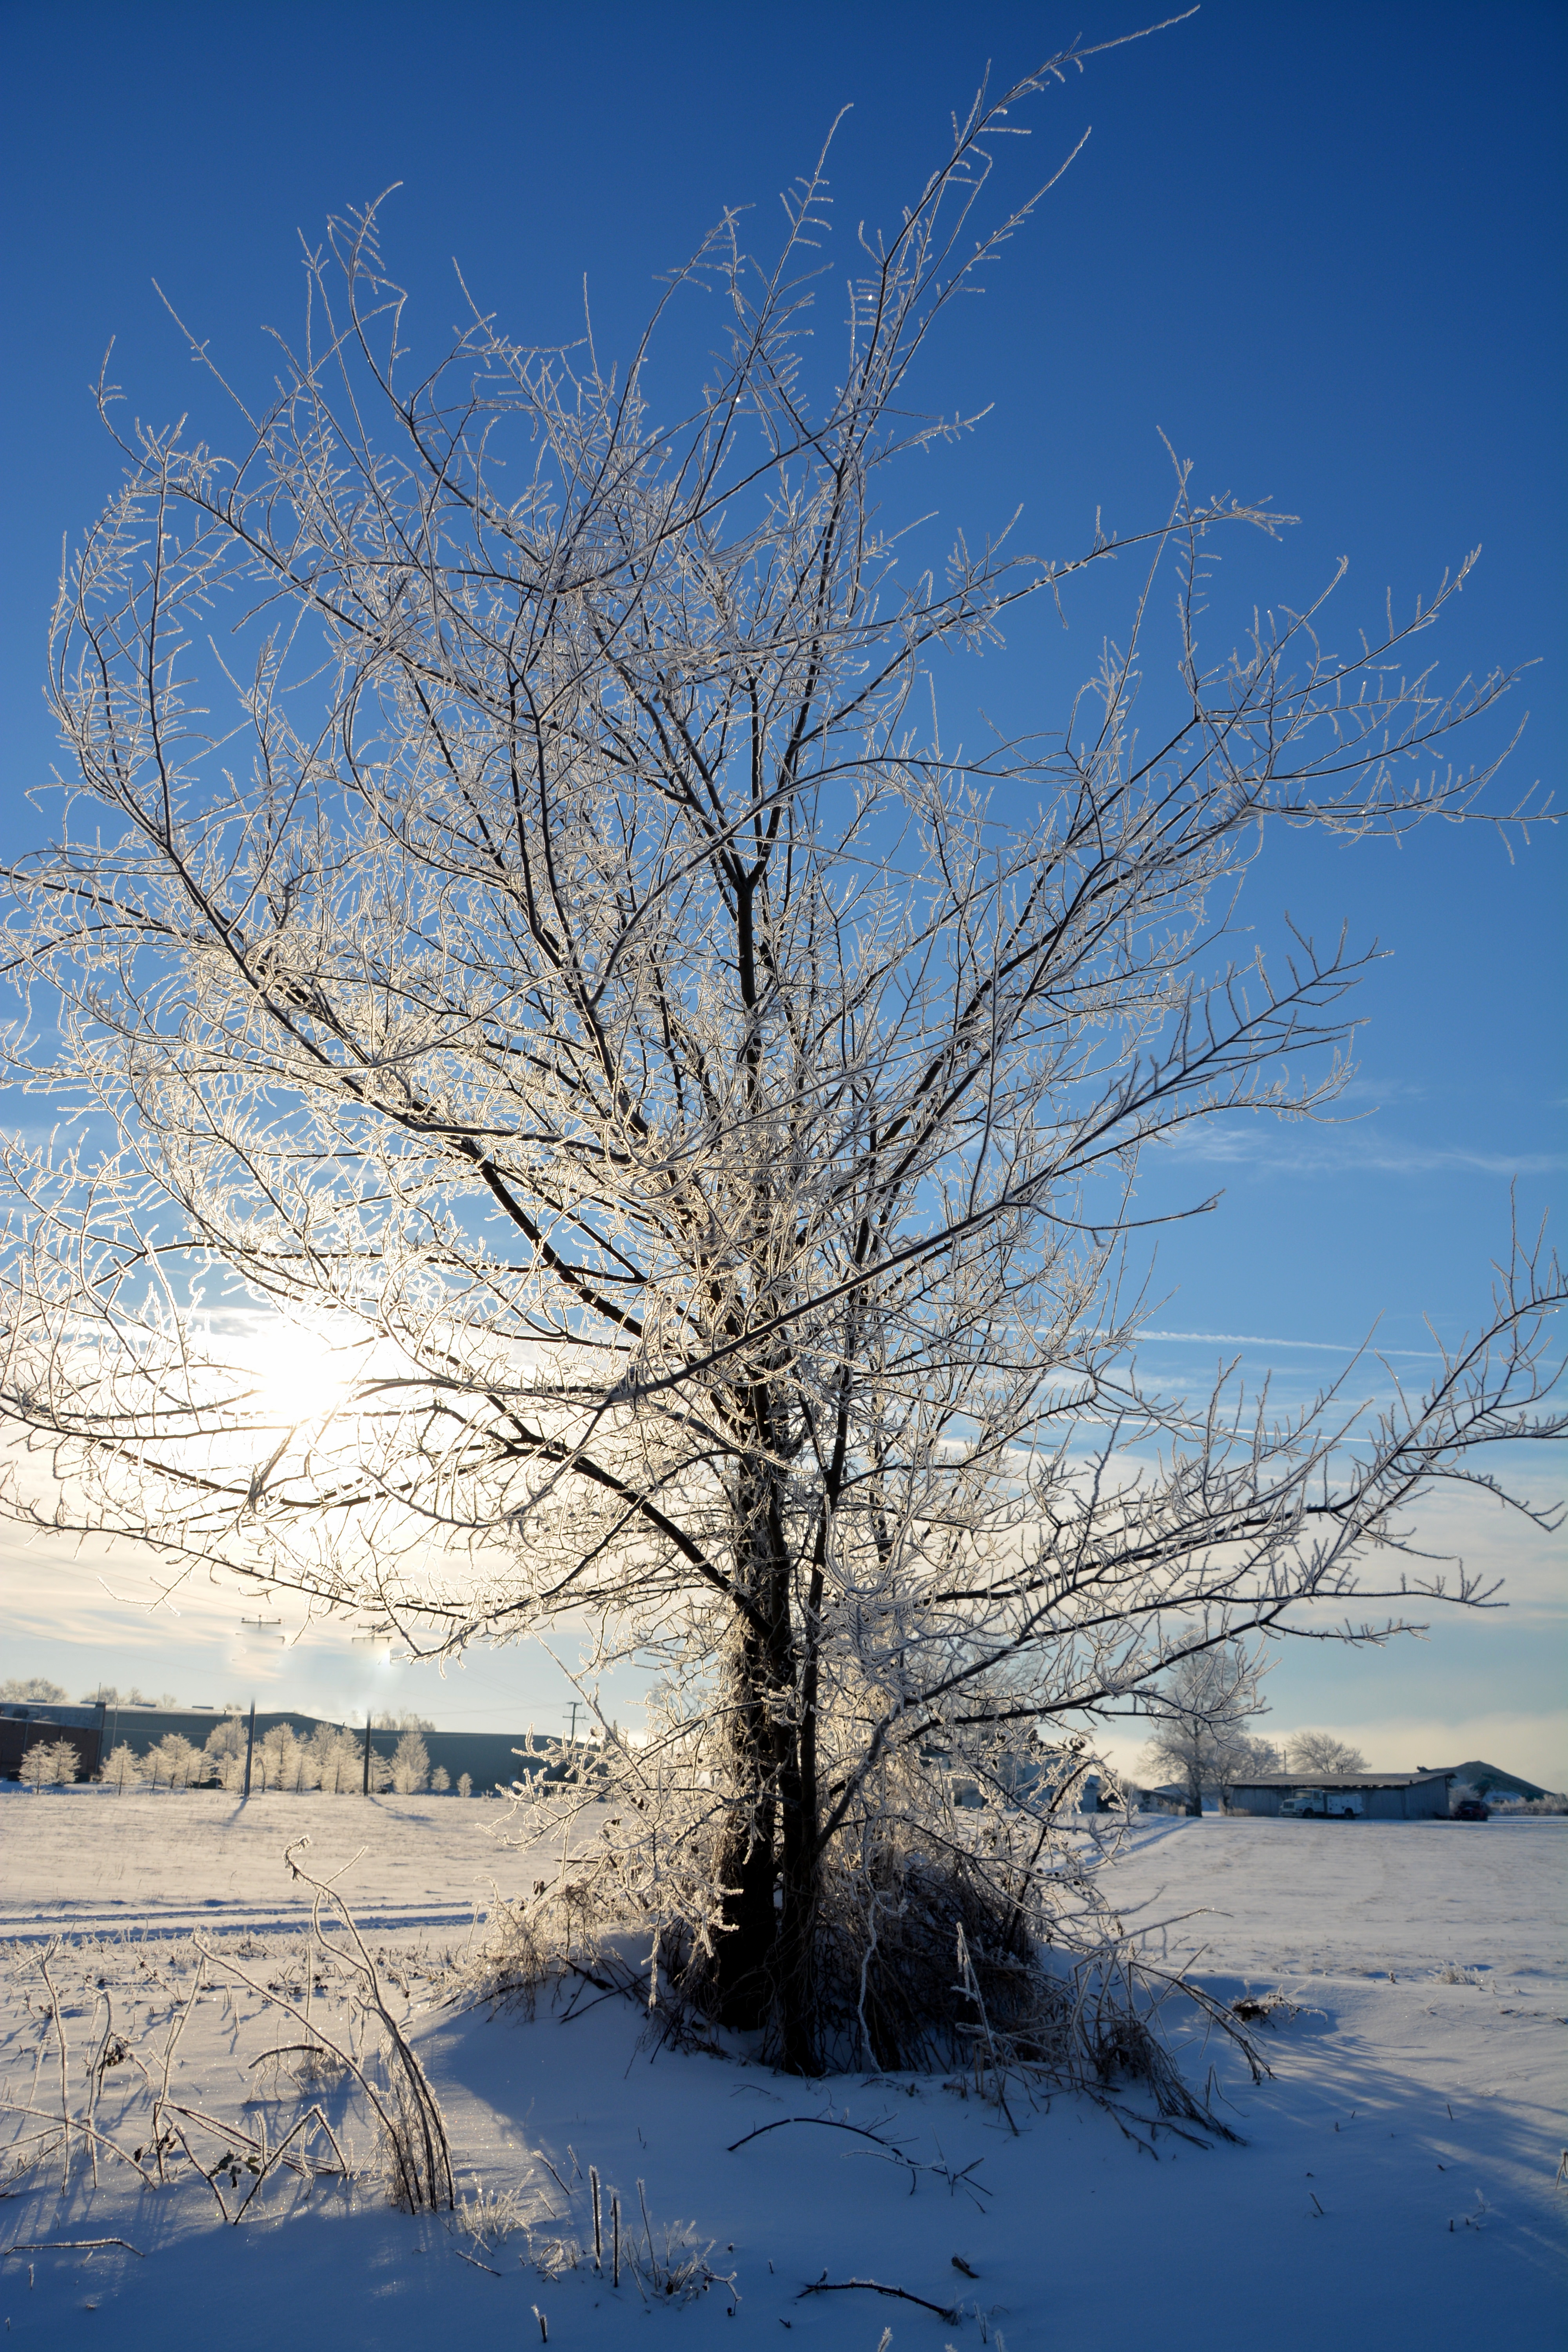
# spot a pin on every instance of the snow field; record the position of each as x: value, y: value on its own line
x: 1416, y: 2094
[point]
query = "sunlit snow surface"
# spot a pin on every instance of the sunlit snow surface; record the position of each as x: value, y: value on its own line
x: 1420, y: 2086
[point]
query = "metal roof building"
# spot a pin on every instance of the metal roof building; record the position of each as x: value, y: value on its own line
x: 1344, y: 1796
x: 24, y: 1725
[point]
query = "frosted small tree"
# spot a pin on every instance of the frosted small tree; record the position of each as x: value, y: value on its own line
x: 225, y: 1752
x: 465, y: 1784
x: 282, y: 1759
x: 1204, y: 1707
x: 441, y: 1780
x: 1320, y: 1751
x: 40, y: 1766
x: 121, y: 1768
x: 174, y: 1760
x: 546, y: 953
x: 410, y: 1765
x: 336, y: 1760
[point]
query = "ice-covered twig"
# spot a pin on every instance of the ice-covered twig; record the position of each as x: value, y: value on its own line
x: 825, y: 2286
x: 889, y: 2148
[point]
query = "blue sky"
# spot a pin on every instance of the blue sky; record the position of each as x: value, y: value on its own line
x: 1318, y: 245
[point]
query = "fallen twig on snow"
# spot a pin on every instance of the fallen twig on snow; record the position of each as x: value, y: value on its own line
x: 889, y: 2148
x: 873, y: 2286
x: 62, y: 2245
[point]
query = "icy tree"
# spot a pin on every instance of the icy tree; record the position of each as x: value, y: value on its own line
x: 51, y: 1764
x: 1320, y: 1751
x: 283, y: 1760
x: 37, y: 1766
x: 337, y: 1761
x: 121, y: 1769
x: 545, y: 960
x: 410, y: 1765
x: 174, y: 1760
x: 1203, y: 1709
x: 465, y: 1784
x: 33, y: 1690
x: 441, y: 1780
x: 224, y: 1753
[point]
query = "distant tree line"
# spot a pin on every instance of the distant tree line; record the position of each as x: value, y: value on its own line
x: 329, y: 1758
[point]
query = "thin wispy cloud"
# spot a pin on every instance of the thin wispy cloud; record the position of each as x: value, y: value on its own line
x: 1321, y: 1346
x: 1345, y: 1152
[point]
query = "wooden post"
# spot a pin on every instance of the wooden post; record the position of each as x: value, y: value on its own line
x: 367, y: 1751
x: 250, y: 1749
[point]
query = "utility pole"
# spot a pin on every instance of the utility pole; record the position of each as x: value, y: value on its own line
x: 367, y: 1751
x: 250, y: 1749
x: 572, y: 1735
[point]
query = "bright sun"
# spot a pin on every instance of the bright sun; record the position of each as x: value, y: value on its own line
x: 299, y: 1376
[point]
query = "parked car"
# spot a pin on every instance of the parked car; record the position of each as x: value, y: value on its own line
x: 1471, y: 1809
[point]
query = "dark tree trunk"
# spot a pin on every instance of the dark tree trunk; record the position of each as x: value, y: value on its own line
x: 769, y: 1859
x: 745, y: 1864
x: 794, y: 1951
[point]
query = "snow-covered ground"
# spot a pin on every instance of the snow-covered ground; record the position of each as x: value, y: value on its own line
x: 1415, y: 2095
x: 88, y: 1861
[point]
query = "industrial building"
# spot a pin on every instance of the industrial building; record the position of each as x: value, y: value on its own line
x: 1344, y: 1796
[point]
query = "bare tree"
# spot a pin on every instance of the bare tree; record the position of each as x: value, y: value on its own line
x: 1203, y: 1709
x: 682, y: 1112
x: 1320, y: 1751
